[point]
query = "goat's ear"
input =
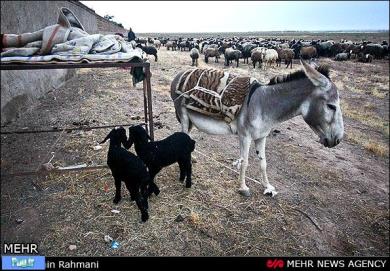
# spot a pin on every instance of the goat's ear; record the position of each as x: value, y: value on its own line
x: 314, y: 76
x: 107, y: 137
x: 128, y: 143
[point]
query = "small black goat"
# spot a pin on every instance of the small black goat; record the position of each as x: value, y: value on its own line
x: 159, y: 154
x: 149, y: 50
x: 128, y: 168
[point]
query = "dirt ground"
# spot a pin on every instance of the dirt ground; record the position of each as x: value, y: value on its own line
x: 330, y: 202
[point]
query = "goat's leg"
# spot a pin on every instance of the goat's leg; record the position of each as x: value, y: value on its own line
x: 245, y: 143
x: 132, y: 193
x: 188, y: 172
x: 132, y: 189
x: 260, y: 151
x: 142, y: 206
x: 182, y: 167
x: 153, y: 188
x: 118, y: 184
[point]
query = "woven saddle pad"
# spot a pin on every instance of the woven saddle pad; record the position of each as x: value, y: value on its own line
x: 212, y: 92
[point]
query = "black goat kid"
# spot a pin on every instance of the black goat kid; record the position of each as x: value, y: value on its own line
x: 159, y: 154
x: 128, y: 168
x: 149, y: 50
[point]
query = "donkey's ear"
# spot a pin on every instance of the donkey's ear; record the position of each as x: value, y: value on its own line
x: 314, y: 76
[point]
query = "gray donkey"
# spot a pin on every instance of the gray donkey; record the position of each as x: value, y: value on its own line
x: 309, y: 93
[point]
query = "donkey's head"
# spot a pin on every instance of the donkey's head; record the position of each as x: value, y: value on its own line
x: 322, y: 109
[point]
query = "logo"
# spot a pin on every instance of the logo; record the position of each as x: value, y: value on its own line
x: 23, y: 262
x: 275, y: 263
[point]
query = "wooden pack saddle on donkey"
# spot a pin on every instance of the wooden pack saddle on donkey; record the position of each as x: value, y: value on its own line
x: 212, y: 92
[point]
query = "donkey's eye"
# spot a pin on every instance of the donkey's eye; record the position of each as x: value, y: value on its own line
x: 332, y: 107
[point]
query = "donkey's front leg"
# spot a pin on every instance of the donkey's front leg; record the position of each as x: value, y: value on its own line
x: 260, y: 151
x: 245, y: 143
x: 184, y: 120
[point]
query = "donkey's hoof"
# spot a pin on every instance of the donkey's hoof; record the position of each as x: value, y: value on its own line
x: 244, y: 192
x: 270, y: 190
x: 237, y: 163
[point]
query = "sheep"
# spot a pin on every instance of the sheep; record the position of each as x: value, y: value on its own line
x: 149, y: 50
x: 171, y: 44
x: 232, y: 54
x: 365, y: 58
x: 141, y: 40
x: 194, y: 54
x: 287, y: 55
x: 194, y: 45
x: 211, y: 52
x: 205, y: 46
x: 323, y: 48
x: 183, y: 45
x: 257, y: 56
x: 342, y: 56
x: 155, y: 42
x: 246, y: 51
x: 376, y: 50
x: 336, y: 48
x: 270, y: 57
x: 128, y: 168
x: 308, y: 52
x: 159, y: 154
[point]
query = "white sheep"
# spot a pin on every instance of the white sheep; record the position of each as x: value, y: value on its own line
x: 270, y: 57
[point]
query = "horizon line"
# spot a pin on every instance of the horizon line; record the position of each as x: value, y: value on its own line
x: 348, y: 30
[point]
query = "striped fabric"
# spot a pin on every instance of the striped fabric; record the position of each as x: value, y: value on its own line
x: 215, y: 93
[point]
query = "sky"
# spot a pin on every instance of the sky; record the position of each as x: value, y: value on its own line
x: 245, y: 16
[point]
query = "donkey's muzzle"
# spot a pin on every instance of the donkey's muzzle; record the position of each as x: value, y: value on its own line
x: 330, y: 143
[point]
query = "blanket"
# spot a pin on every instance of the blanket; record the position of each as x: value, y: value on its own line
x: 67, y: 41
x: 212, y: 92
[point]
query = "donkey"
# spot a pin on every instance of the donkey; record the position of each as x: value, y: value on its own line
x: 309, y: 93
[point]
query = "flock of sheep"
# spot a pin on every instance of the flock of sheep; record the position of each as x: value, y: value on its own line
x: 267, y: 52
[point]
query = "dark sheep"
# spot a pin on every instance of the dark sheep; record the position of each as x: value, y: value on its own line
x: 128, y: 168
x: 246, y: 51
x: 336, y: 49
x: 149, y: 50
x: 211, y: 52
x: 232, y: 54
x: 342, y: 56
x: 194, y: 54
x: 287, y: 55
x: 257, y: 56
x: 141, y: 41
x: 365, y: 58
x: 323, y: 48
x: 297, y: 48
x: 376, y: 50
x: 159, y: 154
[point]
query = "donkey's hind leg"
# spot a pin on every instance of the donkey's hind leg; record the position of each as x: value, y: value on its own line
x: 260, y: 151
